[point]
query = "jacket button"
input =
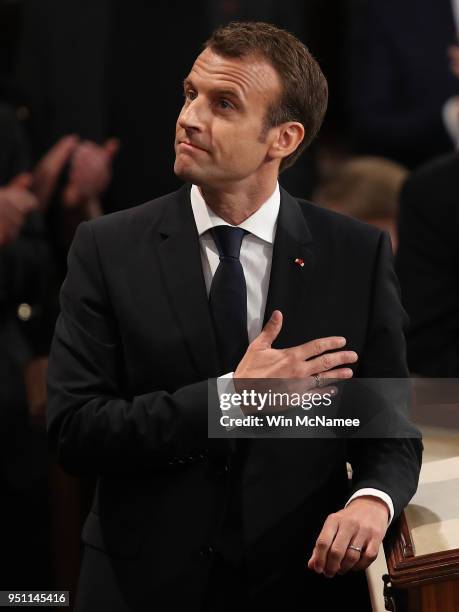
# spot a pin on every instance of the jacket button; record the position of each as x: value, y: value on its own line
x: 24, y: 312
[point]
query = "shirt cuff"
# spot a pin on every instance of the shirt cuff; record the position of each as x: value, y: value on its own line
x: 375, y: 493
x: 225, y: 384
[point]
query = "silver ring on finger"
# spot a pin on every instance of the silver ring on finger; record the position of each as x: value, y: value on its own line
x: 317, y: 379
x: 357, y: 548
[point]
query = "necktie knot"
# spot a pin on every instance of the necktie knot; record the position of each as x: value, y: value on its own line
x: 228, y: 240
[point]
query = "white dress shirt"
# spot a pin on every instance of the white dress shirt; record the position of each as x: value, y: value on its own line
x: 255, y: 257
x: 256, y: 252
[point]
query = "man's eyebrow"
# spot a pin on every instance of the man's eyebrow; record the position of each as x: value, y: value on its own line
x: 228, y: 92
x: 187, y: 82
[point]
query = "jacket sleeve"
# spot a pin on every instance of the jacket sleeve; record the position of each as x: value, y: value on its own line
x: 95, y: 427
x: 392, y: 463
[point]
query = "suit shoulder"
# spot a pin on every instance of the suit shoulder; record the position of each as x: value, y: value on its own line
x: 435, y: 182
x: 135, y: 219
x: 339, y: 226
x: 436, y: 171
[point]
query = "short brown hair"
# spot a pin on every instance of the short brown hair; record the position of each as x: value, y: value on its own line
x: 305, y: 92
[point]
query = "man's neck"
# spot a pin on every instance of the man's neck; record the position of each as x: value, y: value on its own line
x: 236, y: 203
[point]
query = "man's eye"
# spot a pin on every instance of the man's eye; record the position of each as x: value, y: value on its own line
x: 224, y: 104
x: 190, y: 94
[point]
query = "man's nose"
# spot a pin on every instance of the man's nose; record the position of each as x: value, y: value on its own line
x: 192, y: 116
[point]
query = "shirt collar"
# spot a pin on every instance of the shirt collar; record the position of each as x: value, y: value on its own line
x: 261, y: 223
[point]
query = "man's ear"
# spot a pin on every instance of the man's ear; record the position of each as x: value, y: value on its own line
x: 288, y: 138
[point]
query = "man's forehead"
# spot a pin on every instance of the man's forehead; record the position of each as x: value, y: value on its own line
x: 246, y: 73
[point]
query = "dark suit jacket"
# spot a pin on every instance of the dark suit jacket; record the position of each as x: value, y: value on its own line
x: 400, y: 79
x: 128, y: 395
x: 428, y: 266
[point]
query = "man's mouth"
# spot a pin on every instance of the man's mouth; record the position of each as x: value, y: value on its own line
x: 189, y: 146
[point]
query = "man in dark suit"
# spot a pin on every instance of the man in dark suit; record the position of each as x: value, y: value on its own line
x: 162, y: 299
x: 427, y: 265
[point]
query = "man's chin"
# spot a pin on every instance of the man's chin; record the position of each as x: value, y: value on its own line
x: 185, y: 173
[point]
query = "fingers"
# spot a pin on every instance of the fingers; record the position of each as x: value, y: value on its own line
x: 270, y: 331
x: 50, y: 166
x: 316, y: 347
x: 11, y: 216
x: 60, y: 153
x: 21, y: 181
x: 330, y: 361
x: 71, y: 196
x: 332, y: 555
x: 350, y: 539
x: 319, y: 363
x: 318, y: 559
x: 18, y: 201
x: 292, y: 363
x: 339, y: 552
x: 90, y: 172
x: 336, y: 375
x: 15, y: 204
x: 111, y: 146
x: 341, y: 558
x: 351, y: 557
x: 369, y: 554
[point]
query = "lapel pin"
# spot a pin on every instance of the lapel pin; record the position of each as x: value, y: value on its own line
x: 299, y: 262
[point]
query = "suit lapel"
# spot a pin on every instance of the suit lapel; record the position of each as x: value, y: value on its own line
x: 180, y: 261
x: 291, y: 270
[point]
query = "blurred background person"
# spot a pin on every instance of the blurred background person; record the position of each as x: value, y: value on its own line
x: 30, y: 276
x: 25, y: 262
x: 427, y: 265
x: 366, y: 188
x: 427, y: 262
x: 400, y: 78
